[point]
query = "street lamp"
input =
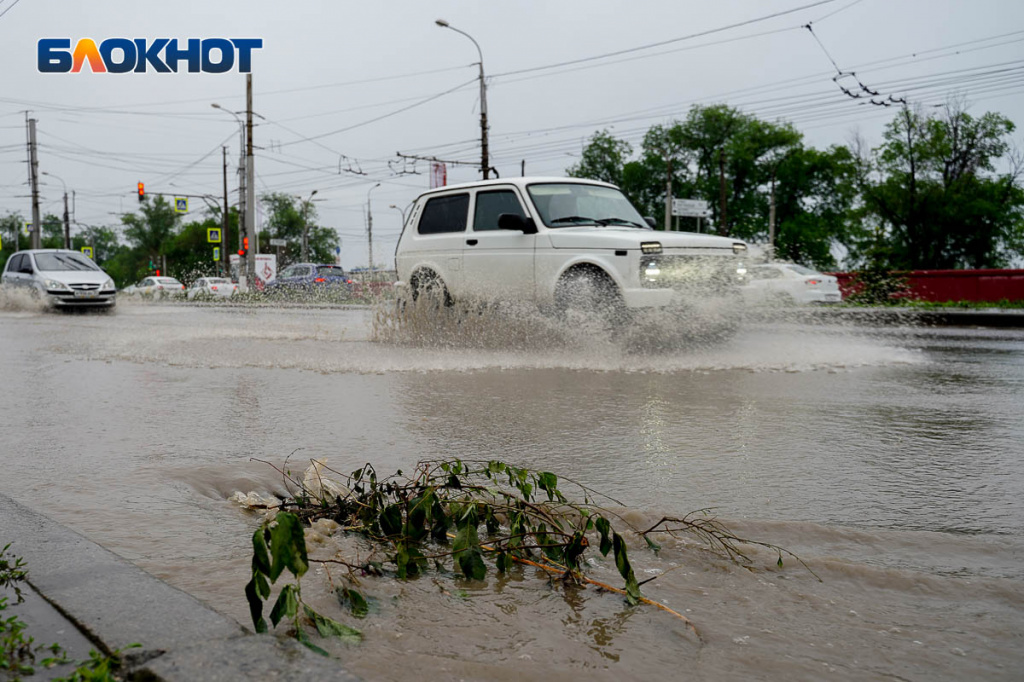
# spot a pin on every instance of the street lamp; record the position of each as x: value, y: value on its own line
x: 400, y: 210
x: 241, y: 175
x: 369, y: 226
x: 484, y: 163
x: 67, y: 222
x: 305, y: 226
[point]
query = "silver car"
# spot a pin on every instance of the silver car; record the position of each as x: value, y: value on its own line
x: 64, y: 278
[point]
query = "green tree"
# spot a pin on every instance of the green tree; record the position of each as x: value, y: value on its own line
x: 603, y: 159
x: 10, y: 232
x: 934, y: 189
x: 103, y: 240
x: 286, y: 216
x: 149, y: 233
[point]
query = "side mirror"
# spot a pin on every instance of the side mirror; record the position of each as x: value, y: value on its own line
x: 650, y: 222
x: 516, y: 222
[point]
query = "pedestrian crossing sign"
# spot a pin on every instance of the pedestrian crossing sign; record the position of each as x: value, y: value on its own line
x: 216, y: 253
x: 181, y: 204
x: 87, y: 250
x: 213, y: 235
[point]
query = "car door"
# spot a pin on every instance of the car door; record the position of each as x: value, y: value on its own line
x: 12, y: 275
x: 498, y: 264
x: 440, y: 238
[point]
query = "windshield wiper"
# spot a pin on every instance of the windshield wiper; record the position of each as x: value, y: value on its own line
x: 618, y: 221
x: 575, y: 219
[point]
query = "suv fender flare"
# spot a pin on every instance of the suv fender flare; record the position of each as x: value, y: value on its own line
x: 586, y: 265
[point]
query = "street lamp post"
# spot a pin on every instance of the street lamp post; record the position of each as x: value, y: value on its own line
x: 305, y: 226
x: 369, y: 227
x: 241, y: 177
x: 67, y: 220
x: 400, y: 210
x: 484, y: 162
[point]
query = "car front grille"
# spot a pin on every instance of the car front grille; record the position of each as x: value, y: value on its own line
x: 685, y: 272
x: 85, y: 286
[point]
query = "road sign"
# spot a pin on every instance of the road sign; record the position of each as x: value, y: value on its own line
x: 279, y: 242
x: 181, y: 204
x: 26, y: 229
x: 87, y: 250
x: 216, y: 253
x: 693, y: 208
x: 213, y: 235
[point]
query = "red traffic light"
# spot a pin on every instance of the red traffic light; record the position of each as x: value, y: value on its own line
x: 245, y: 243
x: 142, y: 191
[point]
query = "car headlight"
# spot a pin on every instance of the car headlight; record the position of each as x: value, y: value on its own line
x: 650, y: 247
x: 652, y: 271
x: 108, y: 285
x: 55, y: 285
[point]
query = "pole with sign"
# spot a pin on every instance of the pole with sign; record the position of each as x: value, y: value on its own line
x: 692, y: 208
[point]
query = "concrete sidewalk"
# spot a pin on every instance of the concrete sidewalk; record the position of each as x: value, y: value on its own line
x: 82, y: 596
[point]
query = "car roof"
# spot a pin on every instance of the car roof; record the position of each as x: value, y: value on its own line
x: 47, y: 251
x: 520, y: 182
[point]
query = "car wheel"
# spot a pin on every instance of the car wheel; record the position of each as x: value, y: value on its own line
x: 590, y: 292
x: 427, y: 288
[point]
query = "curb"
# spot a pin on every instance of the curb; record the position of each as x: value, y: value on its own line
x: 113, y: 603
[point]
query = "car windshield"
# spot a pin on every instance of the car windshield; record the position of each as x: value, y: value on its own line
x: 54, y: 262
x: 167, y: 280
x: 217, y: 280
x: 329, y: 271
x: 801, y: 270
x: 562, y: 204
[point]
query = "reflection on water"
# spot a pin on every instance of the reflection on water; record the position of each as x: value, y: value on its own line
x: 890, y: 459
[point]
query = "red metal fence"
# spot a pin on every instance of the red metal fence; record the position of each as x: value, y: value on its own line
x: 954, y: 285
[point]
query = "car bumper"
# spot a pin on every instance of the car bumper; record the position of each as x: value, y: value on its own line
x: 70, y: 300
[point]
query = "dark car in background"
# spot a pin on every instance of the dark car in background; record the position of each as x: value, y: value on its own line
x: 312, y: 278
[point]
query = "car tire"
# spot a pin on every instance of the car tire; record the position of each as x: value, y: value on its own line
x: 429, y: 289
x: 591, y: 292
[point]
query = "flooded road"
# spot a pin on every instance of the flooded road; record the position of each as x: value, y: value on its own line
x: 890, y: 459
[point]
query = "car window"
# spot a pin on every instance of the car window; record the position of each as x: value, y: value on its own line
x: 146, y: 282
x: 26, y: 264
x: 303, y: 271
x: 329, y: 271
x: 490, y: 205
x: 64, y: 261
x: 14, y: 263
x: 445, y: 214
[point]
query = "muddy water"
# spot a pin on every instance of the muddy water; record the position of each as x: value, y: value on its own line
x: 889, y: 459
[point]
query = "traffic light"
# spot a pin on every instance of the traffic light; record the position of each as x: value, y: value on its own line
x: 245, y: 247
x: 142, y: 191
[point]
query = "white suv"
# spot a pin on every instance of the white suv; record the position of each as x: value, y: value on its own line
x: 558, y: 242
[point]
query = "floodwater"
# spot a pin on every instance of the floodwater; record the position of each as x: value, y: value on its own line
x: 890, y: 459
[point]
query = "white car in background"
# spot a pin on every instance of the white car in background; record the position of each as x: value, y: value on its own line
x: 220, y: 287
x: 788, y: 283
x: 156, y: 287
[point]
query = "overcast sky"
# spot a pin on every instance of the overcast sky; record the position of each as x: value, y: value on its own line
x: 329, y: 69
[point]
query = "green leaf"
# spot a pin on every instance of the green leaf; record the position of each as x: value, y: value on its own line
x: 354, y: 600
x: 391, y: 520
x: 548, y: 482
x: 466, y: 549
x: 652, y: 544
x: 262, y: 586
x: 286, y: 606
x: 308, y: 643
x: 605, y: 529
x: 260, y: 553
x: 332, y: 628
x: 780, y: 561
x: 503, y: 562
x: 288, y: 545
x: 626, y: 570
x: 255, y: 606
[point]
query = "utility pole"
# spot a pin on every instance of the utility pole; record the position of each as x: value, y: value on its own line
x: 250, y: 175
x: 369, y: 227
x: 723, y: 223
x: 305, y: 226
x: 67, y: 223
x: 485, y: 164
x: 224, y: 263
x: 668, y: 195
x: 33, y: 170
